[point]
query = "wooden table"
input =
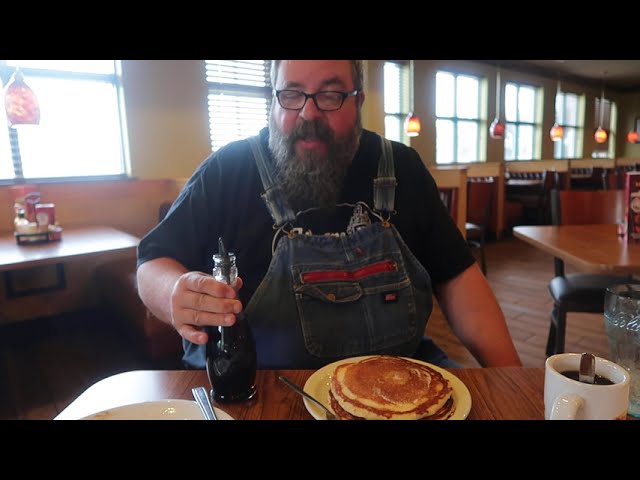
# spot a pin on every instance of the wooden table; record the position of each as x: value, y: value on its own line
x: 590, y: 248
x: 496, y: 393
x: 76, y: 242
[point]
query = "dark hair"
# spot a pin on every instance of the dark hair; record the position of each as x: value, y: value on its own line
x: 356, y: 71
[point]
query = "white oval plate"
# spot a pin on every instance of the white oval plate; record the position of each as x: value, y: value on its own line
x: 157, y: 410
x: 317, y: 385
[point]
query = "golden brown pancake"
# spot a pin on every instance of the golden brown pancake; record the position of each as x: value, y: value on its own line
x: 389, y: 387
x: 443, y: 414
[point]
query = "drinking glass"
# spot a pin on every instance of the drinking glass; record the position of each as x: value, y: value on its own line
x: 622, y: 322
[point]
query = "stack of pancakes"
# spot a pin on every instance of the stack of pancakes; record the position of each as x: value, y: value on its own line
x: 389, y: 388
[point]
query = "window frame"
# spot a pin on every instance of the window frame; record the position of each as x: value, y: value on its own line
x: 560, y: 148
x: 405, y: 100
x: 115, y: 79
x: 536, y: 124
x: 480, y: 120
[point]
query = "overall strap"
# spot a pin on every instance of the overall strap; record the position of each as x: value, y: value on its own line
x: 280, y: 212
x: 384, y: 186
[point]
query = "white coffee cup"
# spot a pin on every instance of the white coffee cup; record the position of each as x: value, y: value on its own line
x: 568, y: 399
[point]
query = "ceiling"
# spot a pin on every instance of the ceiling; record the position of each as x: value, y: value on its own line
x: 620, y: 75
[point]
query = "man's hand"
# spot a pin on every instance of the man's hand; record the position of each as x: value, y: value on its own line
x: 198, y: 300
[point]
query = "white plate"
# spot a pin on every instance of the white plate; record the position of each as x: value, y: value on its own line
x: 157, y: 410
x: 317, y: 385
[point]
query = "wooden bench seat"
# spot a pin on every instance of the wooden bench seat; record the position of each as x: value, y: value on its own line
x: 160, y: 343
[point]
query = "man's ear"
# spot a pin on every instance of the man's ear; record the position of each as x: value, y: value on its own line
x: 360, y: 99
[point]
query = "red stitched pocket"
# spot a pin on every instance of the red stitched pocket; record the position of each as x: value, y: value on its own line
x: 336, y: 275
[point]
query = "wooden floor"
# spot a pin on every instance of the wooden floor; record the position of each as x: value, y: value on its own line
x: 45, y: 364
x: 519, y: 275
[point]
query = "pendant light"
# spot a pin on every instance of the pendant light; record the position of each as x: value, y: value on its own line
x: 632, y: 136
x: 20, y: 102
x: 496, y: 130
x: 557, y: 131
x: 412, y: 125
x: 601, y: 134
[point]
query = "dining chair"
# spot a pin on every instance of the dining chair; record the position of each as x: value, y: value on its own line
x: 580, y: 292
x: 479, y: 205
x: 449, y: 196
x: 586, y: 178
x: 476, y: 232
x: 531, y: 189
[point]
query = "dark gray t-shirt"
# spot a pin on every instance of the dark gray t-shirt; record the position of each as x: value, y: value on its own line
x: 222, y: 199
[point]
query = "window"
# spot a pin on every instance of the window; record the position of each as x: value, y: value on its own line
x: 239, y: 99
x: 609, y: 115
x: 570, y: 115
x: 82, y: 128
x: 458, y: 122
x: 522, y: 140
x: 397, y: 101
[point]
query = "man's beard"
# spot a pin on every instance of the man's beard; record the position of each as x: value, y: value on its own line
x: 312, y: 179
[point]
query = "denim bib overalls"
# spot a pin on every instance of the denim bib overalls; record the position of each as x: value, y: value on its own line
x: 327, y: 297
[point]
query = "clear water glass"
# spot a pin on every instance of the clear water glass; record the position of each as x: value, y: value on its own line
x: 622, y: 322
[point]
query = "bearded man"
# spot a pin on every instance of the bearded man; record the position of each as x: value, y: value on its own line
x: 340, y: 237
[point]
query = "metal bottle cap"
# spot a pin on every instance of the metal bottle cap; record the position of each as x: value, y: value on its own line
x: 224, y: 261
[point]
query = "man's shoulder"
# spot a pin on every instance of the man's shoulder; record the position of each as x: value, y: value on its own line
x: 406, y: 159
x: 235, y: 148
x: 369, y: 138
x: 235, y: 154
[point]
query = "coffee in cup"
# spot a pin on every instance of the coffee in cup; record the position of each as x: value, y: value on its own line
x: 566, y: 398
x: 597, y: 379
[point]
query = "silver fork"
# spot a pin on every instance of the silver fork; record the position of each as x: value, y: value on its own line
x: 329, y: 415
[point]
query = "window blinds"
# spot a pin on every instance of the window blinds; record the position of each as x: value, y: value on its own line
x: 239, y: 99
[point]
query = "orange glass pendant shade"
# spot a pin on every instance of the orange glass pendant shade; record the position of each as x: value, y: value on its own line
x: 20, y: 103
x: 412, y: 125
x: 632, y: 136
x: 601, y: 135
x: 496, y: 130
x: 556, y: 133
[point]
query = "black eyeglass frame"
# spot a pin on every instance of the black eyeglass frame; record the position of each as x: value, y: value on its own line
x: 312, y: 96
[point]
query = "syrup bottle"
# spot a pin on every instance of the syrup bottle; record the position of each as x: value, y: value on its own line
x: 231, y: 351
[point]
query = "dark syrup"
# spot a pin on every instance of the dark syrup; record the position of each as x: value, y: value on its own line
x: 232, y: 362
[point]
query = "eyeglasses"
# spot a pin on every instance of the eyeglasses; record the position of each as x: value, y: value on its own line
x: 326, y: 101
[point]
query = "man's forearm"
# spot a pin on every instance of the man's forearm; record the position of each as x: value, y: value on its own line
x: 475, y: 316
x: 156, y: 279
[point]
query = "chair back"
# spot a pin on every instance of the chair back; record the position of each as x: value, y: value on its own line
x: 589, y: 178
x: 610, y: 179
x: 449, y: 197
x: 480, y: 192
x: 532, y: 190
x: 583, y: 207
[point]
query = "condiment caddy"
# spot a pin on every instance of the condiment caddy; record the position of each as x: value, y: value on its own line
x: 34, y: 221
